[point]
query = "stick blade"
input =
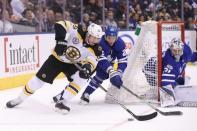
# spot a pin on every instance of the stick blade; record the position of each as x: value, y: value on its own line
x: 145, y: 117
x: 172, y: 113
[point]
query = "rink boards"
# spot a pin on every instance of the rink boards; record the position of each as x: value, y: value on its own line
x: 22, y: 55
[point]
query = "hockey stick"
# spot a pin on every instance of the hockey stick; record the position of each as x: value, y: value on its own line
x: 169, y: 113
x: 138, y: 117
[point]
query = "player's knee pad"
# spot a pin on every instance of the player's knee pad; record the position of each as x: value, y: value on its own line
x: 34, y: 84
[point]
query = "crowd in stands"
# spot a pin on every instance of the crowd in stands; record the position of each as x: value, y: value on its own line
x: 42, y: 14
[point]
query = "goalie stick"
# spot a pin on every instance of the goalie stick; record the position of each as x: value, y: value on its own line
x: 168, y: 113
x: 138, y: 117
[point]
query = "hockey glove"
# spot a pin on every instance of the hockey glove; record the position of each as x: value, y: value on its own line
x: 60, y: 48
x: 115, y: 78
x: 86, y: 72
x: 180, y: 80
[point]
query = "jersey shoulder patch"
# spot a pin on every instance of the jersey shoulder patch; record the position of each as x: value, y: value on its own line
x: 96, y: 49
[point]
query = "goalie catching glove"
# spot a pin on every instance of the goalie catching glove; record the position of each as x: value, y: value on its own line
x: 115, y: 78
x: 86, y: 72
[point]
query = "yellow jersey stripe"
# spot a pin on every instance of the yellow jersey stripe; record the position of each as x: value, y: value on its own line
x: 92, y: 51
x: 71, y: 90
x: 75, y: 86
x: 63, y: 24
x: 29, y: 89
x: 26, y: 93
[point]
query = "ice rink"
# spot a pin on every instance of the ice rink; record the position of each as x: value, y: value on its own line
x: 37, y: 113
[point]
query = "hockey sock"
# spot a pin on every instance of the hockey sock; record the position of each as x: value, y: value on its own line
x: 93, y: 85
x: 71, y: 91
x: 33, y: 84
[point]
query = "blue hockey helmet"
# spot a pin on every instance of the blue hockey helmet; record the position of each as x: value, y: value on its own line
x: 111, y: 31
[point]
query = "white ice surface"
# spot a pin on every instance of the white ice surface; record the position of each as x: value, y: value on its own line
x: 37, y: 113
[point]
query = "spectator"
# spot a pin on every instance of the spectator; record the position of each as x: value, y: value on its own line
x: 86, y: 19
x: 18, y: 7
x: 6, y: 26
x: 93, y: 17
x: 115, y: 11
x: 189, y: 24
x: 29, y: 18
x: 121, y: 15
x: 58, y: 16
x: 133, y: 21
x: 48, y: 21
x: 66, y: 15
x: 1, y: 9
x: 110, y: 19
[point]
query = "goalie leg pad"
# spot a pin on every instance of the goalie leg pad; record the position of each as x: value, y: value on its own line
x: 167, y: 96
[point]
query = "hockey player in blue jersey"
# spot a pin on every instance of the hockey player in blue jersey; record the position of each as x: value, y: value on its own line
x: 174, y: 63
x: 173, y: 66
x: 113, y: 48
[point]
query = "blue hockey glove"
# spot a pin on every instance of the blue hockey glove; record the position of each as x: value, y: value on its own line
x: 115, y: 78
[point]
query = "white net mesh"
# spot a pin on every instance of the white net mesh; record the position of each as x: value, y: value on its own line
x: 141, y: 75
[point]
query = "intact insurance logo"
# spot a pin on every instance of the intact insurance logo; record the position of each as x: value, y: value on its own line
x: 21, y: 55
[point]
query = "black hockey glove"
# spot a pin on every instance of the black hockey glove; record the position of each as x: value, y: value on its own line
x: 180, y: 80
x: 60, y: 49
x: 86, y: 72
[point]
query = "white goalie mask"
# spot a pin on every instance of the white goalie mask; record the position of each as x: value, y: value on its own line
x: 176, y: 47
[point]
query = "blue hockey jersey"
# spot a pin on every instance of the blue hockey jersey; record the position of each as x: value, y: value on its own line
x: 194, y: 57
x: 111, y: 53
x: 172, y: 70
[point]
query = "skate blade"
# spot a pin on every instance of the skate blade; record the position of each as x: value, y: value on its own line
x: 83, y: 102
x: 61, y: 111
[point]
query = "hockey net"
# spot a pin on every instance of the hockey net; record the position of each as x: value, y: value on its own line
x: 153, y: 39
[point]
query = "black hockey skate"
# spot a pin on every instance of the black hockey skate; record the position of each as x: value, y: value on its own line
x: 85, y: 99
x: 60, y: 107
x: 58, y: 97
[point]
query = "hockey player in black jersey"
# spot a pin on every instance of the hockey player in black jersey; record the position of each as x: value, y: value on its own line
x: 79, y: 44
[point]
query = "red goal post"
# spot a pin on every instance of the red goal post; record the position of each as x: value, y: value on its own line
x: 174, y: 26
x: 153, y: 39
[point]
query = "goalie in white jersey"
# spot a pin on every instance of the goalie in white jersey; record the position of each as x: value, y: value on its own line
x: 79, y: 44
